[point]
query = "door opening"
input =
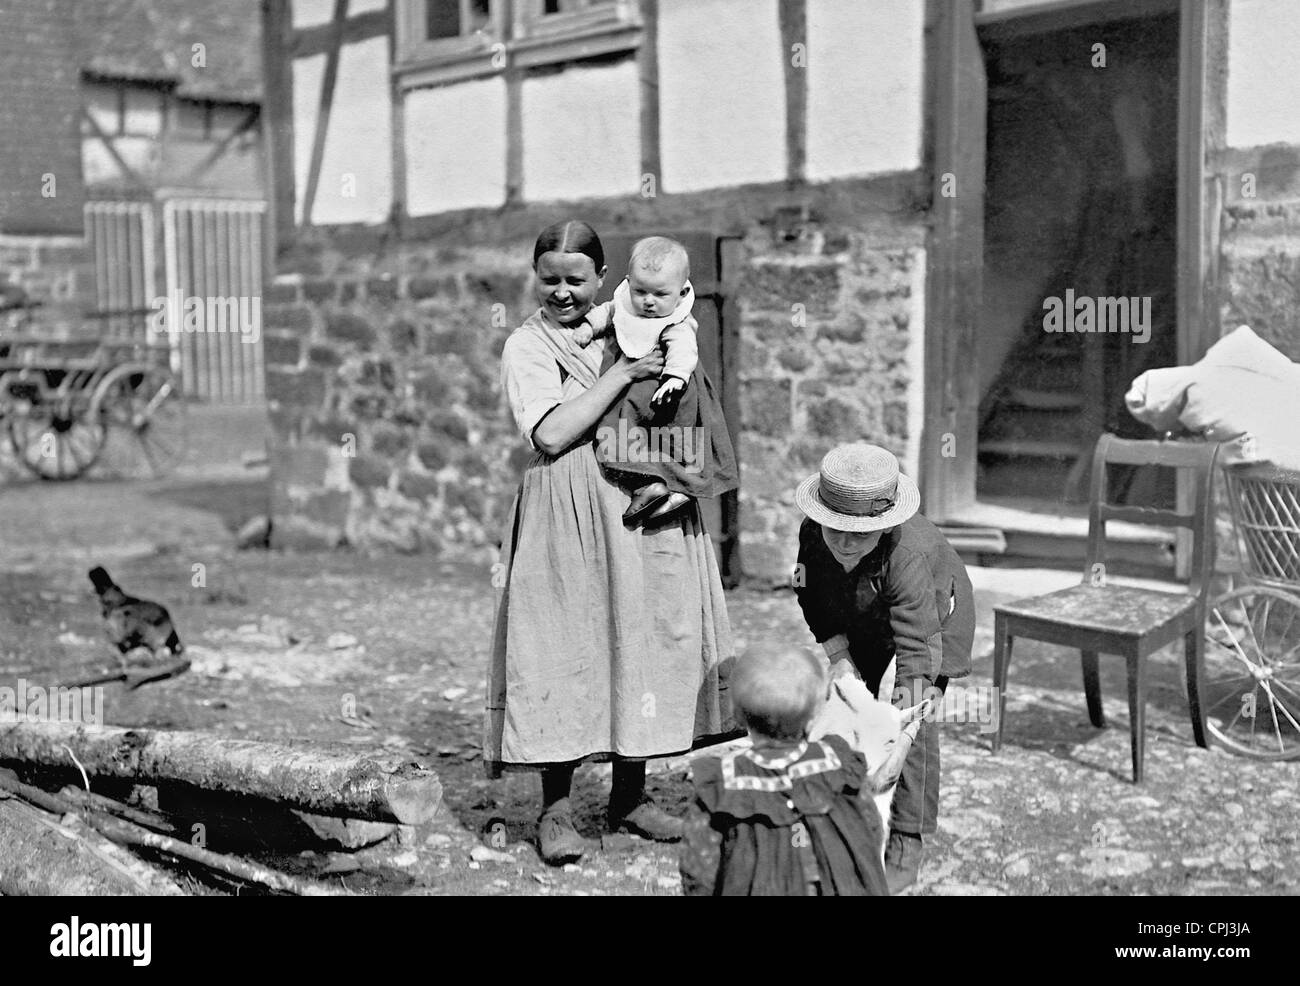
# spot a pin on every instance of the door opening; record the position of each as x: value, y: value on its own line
x: 1080, y: 290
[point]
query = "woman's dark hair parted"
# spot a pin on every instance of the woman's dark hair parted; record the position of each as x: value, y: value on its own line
x: 571, y: 236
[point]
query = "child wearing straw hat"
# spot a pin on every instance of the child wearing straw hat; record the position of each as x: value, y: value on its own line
x: 879, y: 584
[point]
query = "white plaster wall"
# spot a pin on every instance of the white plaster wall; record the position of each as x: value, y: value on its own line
x: 722, y: 93
x: 356, y: 178
x: 307, y: 74
x: 1263, y: 72
x: 309, y: 13
x: 997, y: 6
x: 865, y: 86
x: 582, y: 133
x: 456, y: 146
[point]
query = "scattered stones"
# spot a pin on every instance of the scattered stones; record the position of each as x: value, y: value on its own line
x: 1139, y: 801
x: 965, y: 890
x: 255, y: 533
x: 347, y: 833
x: 482, y: 854
x: 1018, y: 866
x: 1110, y: 862
x: 340, y: 640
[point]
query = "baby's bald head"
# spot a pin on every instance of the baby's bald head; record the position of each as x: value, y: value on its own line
x: 777, y: 688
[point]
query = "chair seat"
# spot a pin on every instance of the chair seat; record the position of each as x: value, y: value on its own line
x: 1118, y: 609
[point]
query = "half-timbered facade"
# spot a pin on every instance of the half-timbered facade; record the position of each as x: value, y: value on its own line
x: 883, y: 198
x: 145, y: 119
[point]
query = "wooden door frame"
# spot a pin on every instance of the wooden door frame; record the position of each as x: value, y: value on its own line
x: 726, y: 254
x: 948, y: 483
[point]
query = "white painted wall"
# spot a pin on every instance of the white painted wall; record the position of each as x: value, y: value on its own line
x: 997, y: 6
x: 582, y: 133
x: 865, y: 86
x: 309, y: 13
x: 307, y: 73
x: 1263, y: 75
x: 456, y: 146
x: 356, y: 178
x: 722, y: 93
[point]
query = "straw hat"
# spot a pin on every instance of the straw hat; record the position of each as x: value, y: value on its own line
x: 859, y: 489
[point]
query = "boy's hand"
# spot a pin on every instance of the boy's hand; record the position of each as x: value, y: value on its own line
x: 667, y: 390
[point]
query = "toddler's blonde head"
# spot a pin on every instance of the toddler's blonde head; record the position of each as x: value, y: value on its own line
x: 777, y: 688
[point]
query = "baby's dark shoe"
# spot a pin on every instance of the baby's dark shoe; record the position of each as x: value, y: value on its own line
x: 902, y: 860
x: 557, y: 839
x: 643, y: 501
x: 647, y: 820
x: 668, y: 506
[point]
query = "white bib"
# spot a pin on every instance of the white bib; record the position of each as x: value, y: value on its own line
x: 638, y: 334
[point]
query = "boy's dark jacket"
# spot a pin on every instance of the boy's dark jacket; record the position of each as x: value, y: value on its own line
x: 894, y: 603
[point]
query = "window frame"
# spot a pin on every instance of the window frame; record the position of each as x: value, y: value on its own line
x: 424, y: 62
x: 569, y: 35
x: 533, y: 38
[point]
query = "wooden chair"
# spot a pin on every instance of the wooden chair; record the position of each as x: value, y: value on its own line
x: 1098, y: 616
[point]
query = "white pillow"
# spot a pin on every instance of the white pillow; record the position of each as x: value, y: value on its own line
x: 1243, y: 389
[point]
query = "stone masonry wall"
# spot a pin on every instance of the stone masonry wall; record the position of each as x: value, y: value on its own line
x: 382, y: 385
x: 1258, y: 281
x: 383, y: 356
x: 827, y: 356
x: 55, y: 270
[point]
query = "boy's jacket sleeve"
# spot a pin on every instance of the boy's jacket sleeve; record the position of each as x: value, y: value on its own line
x: 918, y: 641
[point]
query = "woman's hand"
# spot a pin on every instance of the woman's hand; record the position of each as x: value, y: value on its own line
x: 569, y: 420
x: 648, y: 366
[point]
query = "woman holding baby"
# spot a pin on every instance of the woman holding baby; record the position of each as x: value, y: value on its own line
x: 611, y: 640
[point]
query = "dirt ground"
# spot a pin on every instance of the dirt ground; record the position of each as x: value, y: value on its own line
x: 287, y: 647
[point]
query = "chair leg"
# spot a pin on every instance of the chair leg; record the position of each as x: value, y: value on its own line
x: 1194, y: 655
x: 1001, y: 662
x: 1092, y: 689
x: 1137, y: 712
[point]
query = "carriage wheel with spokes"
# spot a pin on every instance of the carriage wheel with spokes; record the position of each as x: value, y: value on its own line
x: 143, y: 406
x: 1250, y: 683
x: 54, y: 440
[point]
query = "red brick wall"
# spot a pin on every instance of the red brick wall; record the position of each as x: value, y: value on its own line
x: 40, y: 107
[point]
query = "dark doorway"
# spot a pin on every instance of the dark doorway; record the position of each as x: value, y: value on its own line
x: 1081, y: 202
x: 713, y: 264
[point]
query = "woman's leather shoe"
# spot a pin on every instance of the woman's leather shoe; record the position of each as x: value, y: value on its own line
x: 647, y: 820
x: 557, y: 839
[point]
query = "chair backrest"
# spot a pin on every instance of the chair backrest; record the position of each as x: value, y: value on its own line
x: 1198, y: 458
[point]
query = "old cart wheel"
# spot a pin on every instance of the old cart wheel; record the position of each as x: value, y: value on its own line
x: 1250, y: 683
x: 143, y: 407
x: 54, y: 436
